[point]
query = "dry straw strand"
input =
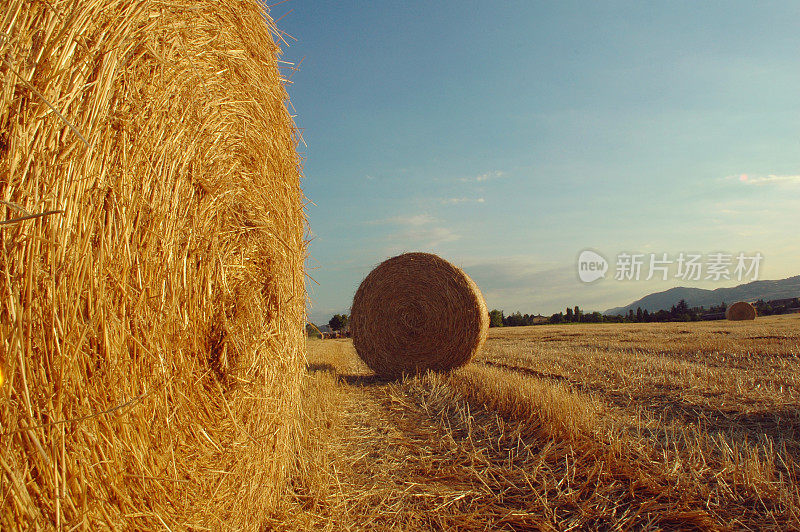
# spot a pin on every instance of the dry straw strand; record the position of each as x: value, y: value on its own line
x: 741, y: 311
x: 173, y: 273
x: 417, y: 312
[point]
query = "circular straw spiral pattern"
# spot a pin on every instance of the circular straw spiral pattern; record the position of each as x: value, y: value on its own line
x: 741, y: 311
x: 417, y: 312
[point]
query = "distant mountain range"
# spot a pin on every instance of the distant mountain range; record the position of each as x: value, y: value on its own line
x: 699, y: 297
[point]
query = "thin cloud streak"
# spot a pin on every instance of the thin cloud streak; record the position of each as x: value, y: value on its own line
x: 415, y: 220
x: 428, y: 237
x: 457, y: 201
x: 496, y: 174
x: 770, y: 179
x: 418, y: 230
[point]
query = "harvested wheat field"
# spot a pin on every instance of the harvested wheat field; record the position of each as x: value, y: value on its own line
x: 645, y: 426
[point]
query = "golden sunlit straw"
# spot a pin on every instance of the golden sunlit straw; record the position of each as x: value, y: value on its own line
x: 417, y: 312
x: 153, y: 243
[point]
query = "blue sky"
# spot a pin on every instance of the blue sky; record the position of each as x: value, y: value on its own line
x: 509, y: 136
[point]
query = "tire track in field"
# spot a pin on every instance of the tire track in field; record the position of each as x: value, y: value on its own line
x: 417, y: 466
x: 391, y: 463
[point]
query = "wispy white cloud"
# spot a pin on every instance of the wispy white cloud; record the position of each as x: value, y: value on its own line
x: 421, y: 230
x: 750, y: 211
x: 769, y: 179
x: 457, y: 201
x: 414, y: 220
x: 496, y: 174
x: 428, y: 237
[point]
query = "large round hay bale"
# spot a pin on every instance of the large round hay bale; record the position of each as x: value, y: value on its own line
x: 741, y: 311
x: 151, y: 325
x: 417, y: 312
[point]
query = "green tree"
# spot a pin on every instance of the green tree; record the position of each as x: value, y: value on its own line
x: 594, y: 317
x: 514, y: 320
x: 569, y: 316
x: 338, y: 322
x: 680, y: 312
x: 495, y: 318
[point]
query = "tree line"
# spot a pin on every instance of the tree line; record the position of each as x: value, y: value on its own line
x: 678, y: 312
x: 572, y: 315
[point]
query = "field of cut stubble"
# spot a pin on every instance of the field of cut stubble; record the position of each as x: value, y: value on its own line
x: 646, y: 426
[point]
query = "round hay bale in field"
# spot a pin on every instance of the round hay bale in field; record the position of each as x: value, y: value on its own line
x: 741, y: 311
x: 152, y: 287
x: 417, y: 312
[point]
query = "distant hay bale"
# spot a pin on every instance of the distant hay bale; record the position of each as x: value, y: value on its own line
x: 740, y: 311
x: 151, y: 325
x: 417, y: 312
